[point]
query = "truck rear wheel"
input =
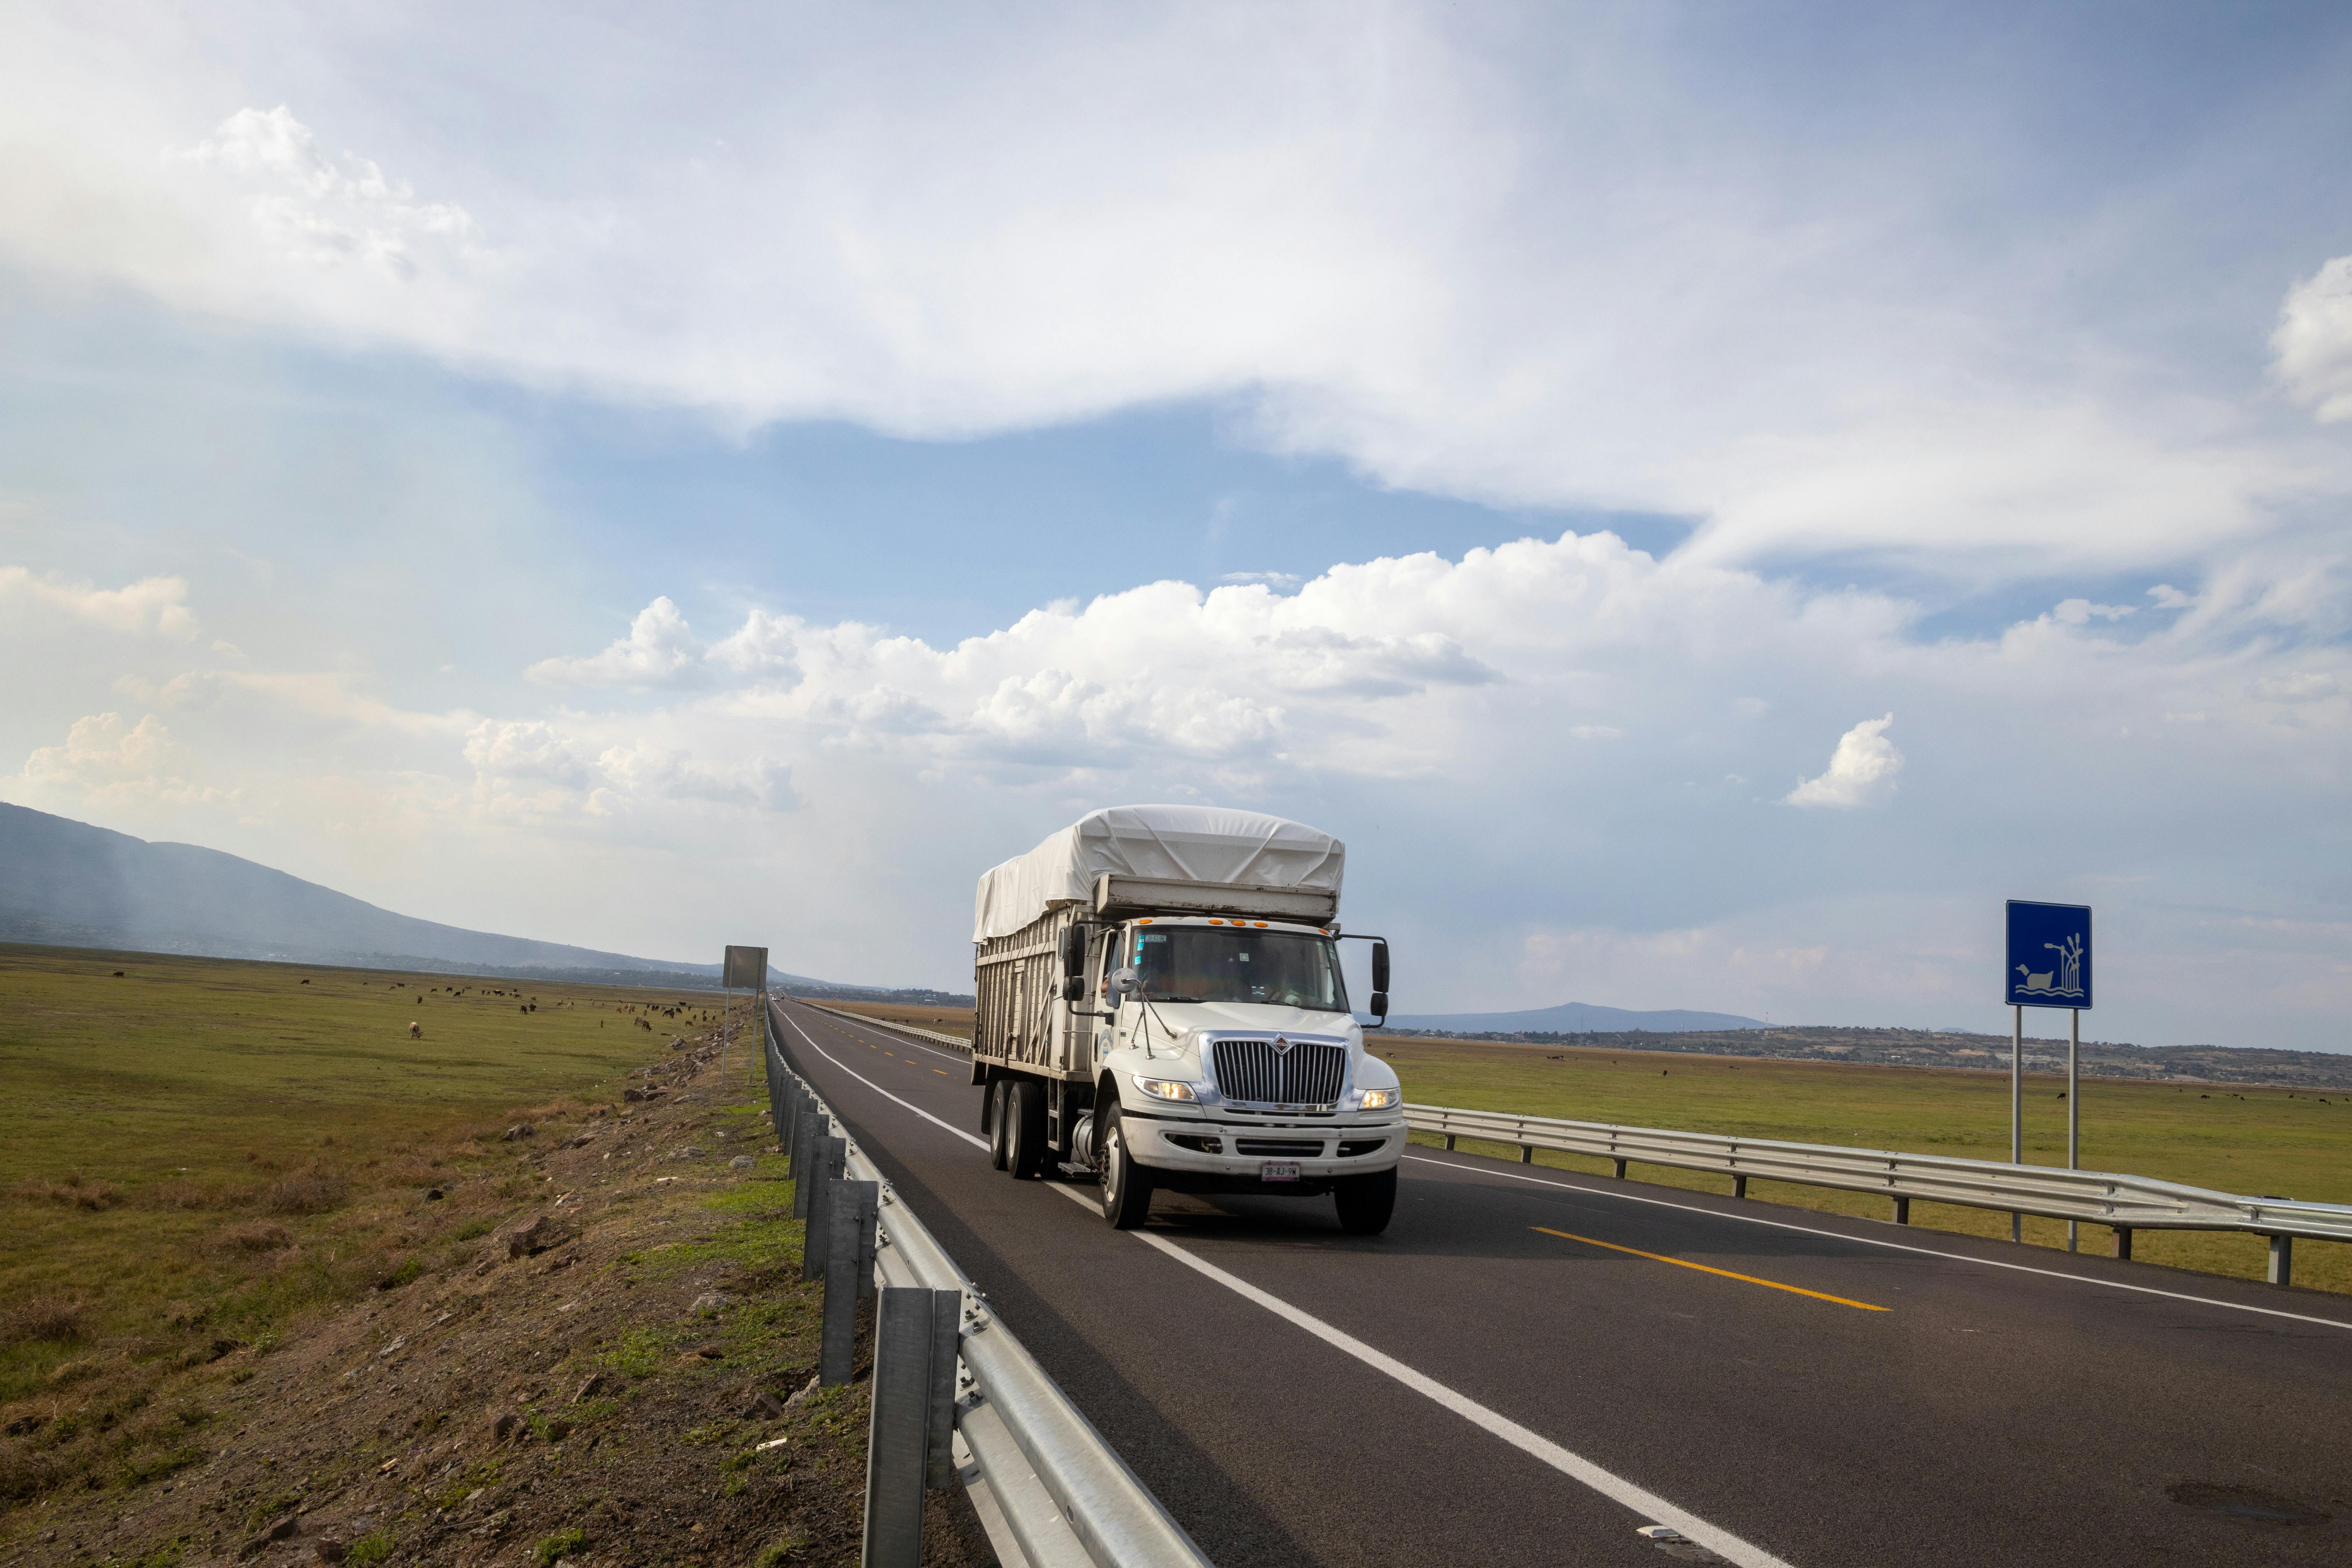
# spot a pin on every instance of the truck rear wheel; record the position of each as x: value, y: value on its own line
x: 1023, y: 1118
x: 996, y: 1120
x: 1126, y: 1185
x: 1366, y: 1201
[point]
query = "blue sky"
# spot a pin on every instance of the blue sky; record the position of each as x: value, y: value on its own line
x: 1708, y: 502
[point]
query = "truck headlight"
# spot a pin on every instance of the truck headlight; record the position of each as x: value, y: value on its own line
x: 1165, y: 1088
x: 1380, y: 1099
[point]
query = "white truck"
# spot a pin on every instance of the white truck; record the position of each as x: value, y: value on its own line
x: 1160, y: 1001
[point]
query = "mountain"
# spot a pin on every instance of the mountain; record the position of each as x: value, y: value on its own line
x: 64, y: 883
x: 1571, y: 1018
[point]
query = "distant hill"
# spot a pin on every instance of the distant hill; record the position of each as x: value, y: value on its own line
x: 64, y: 883
x: 1573, y: 1018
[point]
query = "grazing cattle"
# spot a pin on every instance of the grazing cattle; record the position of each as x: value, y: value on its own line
x: 416, y: 1031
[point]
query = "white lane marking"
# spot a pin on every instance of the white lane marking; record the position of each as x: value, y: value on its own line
x: 879, y: 1024
x: 803, y: 1034
x: 1609, y: 1484
x: 1606, y: 1483
x: 1874, y: 1241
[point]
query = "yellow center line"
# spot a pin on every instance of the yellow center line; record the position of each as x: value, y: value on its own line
x: 1727, y: 1274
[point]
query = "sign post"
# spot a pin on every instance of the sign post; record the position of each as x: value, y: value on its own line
x: 2048, y: 966
x: 746, y: 969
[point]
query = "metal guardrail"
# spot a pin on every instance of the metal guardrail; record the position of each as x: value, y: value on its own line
x: 2124, y: 1202
x: 1062, y: 1493
x: 958, y: 1041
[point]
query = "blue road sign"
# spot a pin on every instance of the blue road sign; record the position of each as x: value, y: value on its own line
x: 2049, y: 955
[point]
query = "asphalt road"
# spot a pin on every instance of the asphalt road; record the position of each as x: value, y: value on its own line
x: 1532, y: 1364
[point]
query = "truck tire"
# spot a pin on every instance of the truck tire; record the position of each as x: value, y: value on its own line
x: 1126, y: 1185
x: 996, y: 1120
x: 1366, y: 1201
x: 1024, y: 1115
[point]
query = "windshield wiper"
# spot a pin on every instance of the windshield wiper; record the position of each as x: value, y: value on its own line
x: 1147, y: 996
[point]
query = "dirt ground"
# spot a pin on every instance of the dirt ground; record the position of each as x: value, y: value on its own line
x: 621, y: 1371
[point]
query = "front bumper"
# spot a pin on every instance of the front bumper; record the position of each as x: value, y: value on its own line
x: 1236, y: 1149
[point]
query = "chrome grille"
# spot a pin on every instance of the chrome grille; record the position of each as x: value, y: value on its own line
x: 1253, y: 1070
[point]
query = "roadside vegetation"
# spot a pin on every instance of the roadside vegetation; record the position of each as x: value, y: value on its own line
x: 2257, y: 1141
x: 198, y: 1155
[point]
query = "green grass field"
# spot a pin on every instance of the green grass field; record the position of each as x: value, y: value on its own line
x: 2255, y: 1142
x: 195, y: 1151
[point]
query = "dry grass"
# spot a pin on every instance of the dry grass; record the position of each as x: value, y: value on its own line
x: 71, y: 1191
x: 52, y: 1318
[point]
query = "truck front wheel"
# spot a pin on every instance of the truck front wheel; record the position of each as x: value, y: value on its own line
x: 1126, y: 1185
x: 1022, y: 1115
x: 1366, y: 1201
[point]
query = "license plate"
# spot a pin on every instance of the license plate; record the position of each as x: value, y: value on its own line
x: 1278, y: 1171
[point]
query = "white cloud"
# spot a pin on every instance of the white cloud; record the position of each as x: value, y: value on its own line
x: 152, y: 605
x: 762, y: 649
x: 315, y: 211
x: 1570, y: 272
x: 660, y: 650
x: 2314, y: 342
x: 105, y: 765
x: 1861, y: 772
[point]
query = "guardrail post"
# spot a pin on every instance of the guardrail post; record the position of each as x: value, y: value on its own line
x: 1526, y: 1153
x: 1902, y: 1211
x: 1449, y: 1143
x: 1739, y: 1187
x: 827, y: 1159
x: 911, y: 1389
x: 2282, y: 1258
x: 2122, y: 1242
x: 807, y: 1126
x: 1620, y: 1162
x: 850, y: 1208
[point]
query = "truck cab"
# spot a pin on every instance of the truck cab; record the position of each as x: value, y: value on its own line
x: 1229, y: 1060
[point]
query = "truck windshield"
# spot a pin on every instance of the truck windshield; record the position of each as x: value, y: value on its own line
x: 1212, y: 963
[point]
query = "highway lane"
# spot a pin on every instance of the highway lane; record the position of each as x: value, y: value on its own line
x: 1986, y: 1414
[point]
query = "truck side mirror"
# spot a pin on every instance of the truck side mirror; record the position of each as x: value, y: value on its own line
x: 1073, y: 963
x: 1380, y: 976
x: 1381, y: 1006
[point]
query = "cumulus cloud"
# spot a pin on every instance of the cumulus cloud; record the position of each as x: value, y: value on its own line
x: 105, y: 764
x: 152, y: 605
x: 660, y: 650
x: 1861, y: 772
x: 2314, y: 342
x: 762, y: 649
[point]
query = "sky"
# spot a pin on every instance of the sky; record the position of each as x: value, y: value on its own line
x: 1708, y: 502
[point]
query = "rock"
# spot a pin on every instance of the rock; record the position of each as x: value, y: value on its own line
x: 393, y: 1348
x: 519, y: 1131
x: 503, y: 1425
x: 711, y: 1304
x: 806, y: 1389
x: 741, y: 1163
x: 277, y: 1529
x: 762, y: 1407
x: 590, y: 1389
x: 528, y: 1240
x: 330, y: 1550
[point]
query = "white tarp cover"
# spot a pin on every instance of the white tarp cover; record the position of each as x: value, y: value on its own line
x: 1168, y: 843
